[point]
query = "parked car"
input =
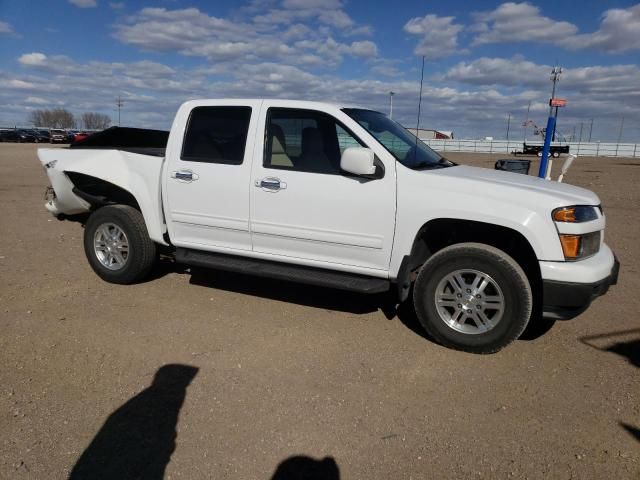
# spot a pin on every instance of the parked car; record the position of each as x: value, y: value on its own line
x: 80, y: 136
x: 19, y: 136
x: 58, y: 136
x: 336, y: 197
x: 41, y: 136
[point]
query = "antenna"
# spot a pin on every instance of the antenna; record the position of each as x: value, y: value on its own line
x: 415, y: 149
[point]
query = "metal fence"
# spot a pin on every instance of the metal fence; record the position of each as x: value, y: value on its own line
x: 592, y: 149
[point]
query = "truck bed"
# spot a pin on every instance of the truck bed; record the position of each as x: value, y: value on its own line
x: 134, y: 140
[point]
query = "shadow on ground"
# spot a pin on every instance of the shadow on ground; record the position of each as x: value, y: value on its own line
x: 301, y: 467
x: 619, y: 343
x: 330, y: 299
x: 137, y: 439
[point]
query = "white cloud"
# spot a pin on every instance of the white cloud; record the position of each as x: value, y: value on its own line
x: 619, y: 32
x: 192, y: 32
x: 439, y: 35
x: 5, y: 28
x: 36, y: 101
x: 84, y: 3
x: 519, y: 22
x: 33, y: 59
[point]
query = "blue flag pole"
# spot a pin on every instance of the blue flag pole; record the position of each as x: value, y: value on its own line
x: 551, y: 123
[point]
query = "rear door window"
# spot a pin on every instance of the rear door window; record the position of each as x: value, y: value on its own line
x: 216, y: 135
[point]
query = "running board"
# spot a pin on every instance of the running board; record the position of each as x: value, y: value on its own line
x: 282, y: 271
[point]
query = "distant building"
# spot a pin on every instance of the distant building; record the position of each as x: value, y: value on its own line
x: 427, y: 134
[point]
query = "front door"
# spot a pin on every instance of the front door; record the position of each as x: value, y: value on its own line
x: 304, y: 207
x: 207, y: 182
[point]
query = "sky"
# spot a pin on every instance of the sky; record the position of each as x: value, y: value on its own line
x: 483, y: 61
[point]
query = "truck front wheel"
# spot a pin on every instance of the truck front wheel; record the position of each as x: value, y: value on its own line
x: 117, y: 244
x: 473, y: 297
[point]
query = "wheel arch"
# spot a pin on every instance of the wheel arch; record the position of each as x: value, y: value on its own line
x: 439, y: 233
x: 98, y: 192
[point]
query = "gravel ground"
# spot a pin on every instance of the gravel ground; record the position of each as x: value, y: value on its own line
x: 286, y: 370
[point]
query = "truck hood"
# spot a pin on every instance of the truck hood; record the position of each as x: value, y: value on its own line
x: 514, y: 187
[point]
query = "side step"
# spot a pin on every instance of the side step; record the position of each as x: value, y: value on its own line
x: 282, y: 271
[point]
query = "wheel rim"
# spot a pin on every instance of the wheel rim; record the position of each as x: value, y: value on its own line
x: 469, y: 301
x: 111, y: 246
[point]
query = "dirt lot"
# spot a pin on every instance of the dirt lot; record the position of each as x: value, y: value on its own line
x: 286, y: 370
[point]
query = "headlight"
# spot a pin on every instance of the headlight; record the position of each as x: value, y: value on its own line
x: 576, y: 214
x: 577, y: 247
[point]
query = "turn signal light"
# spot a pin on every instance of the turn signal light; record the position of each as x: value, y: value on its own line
x: 577, y: 247
x: 570, y: 246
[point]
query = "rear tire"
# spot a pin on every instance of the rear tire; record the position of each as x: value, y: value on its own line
x: 117, y: 244
x: 473, y: 297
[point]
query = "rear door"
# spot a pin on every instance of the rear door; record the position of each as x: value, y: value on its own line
x: 304, y: 208
x: 207, y: 178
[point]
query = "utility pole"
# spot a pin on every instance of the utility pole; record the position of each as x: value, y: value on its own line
x: 119, y: 104
x: 590, y: 129
x: 573, y: 135
x: 555, y: 77
x: 391, y: 94
x: 508, y: 125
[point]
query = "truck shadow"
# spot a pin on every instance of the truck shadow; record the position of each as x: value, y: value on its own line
x: 138, y: 438
x: 329, y: 299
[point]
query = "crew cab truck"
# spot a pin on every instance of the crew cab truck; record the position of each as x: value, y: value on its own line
x: 342, y: 197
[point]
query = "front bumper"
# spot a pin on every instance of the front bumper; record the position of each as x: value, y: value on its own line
x: 564, y: 300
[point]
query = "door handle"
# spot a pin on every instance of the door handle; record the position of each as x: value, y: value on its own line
x: 271, y: 184
x: 185, y: 175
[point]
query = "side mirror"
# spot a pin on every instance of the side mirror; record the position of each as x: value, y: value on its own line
x: 358, y: 160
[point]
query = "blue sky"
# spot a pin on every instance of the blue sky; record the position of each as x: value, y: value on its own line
x: 483, y: 60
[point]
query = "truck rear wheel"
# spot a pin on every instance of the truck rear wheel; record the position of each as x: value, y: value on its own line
x: 117, y: 244
x: 473, y: 297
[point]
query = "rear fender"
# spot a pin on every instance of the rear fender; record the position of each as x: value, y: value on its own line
x: 137, y: 174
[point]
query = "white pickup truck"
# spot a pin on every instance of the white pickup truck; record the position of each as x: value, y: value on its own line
x: 339, y: 197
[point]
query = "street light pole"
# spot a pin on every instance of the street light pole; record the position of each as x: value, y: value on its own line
x: 508, y: 125
x: 391, y: 94
x: 620, y: 133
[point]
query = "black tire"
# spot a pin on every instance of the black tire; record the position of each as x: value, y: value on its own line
x: 142, y: 251
x: 506, y: 274
x: 555, y: 154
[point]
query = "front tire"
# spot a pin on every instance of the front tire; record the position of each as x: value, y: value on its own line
x: 473, y: 297
x: 117, y: 244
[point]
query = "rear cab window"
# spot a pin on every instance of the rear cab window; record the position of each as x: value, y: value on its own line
x: 216, y: 135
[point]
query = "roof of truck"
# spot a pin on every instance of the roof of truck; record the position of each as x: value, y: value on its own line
x: 281, y: 101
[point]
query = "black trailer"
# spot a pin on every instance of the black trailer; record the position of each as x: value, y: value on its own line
x: 554, y: 150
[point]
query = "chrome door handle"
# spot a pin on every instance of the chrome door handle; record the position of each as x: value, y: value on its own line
x: 185, y: 175
x: 271, y: 184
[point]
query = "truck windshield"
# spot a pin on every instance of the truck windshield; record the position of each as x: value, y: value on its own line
x: 401, y: 143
